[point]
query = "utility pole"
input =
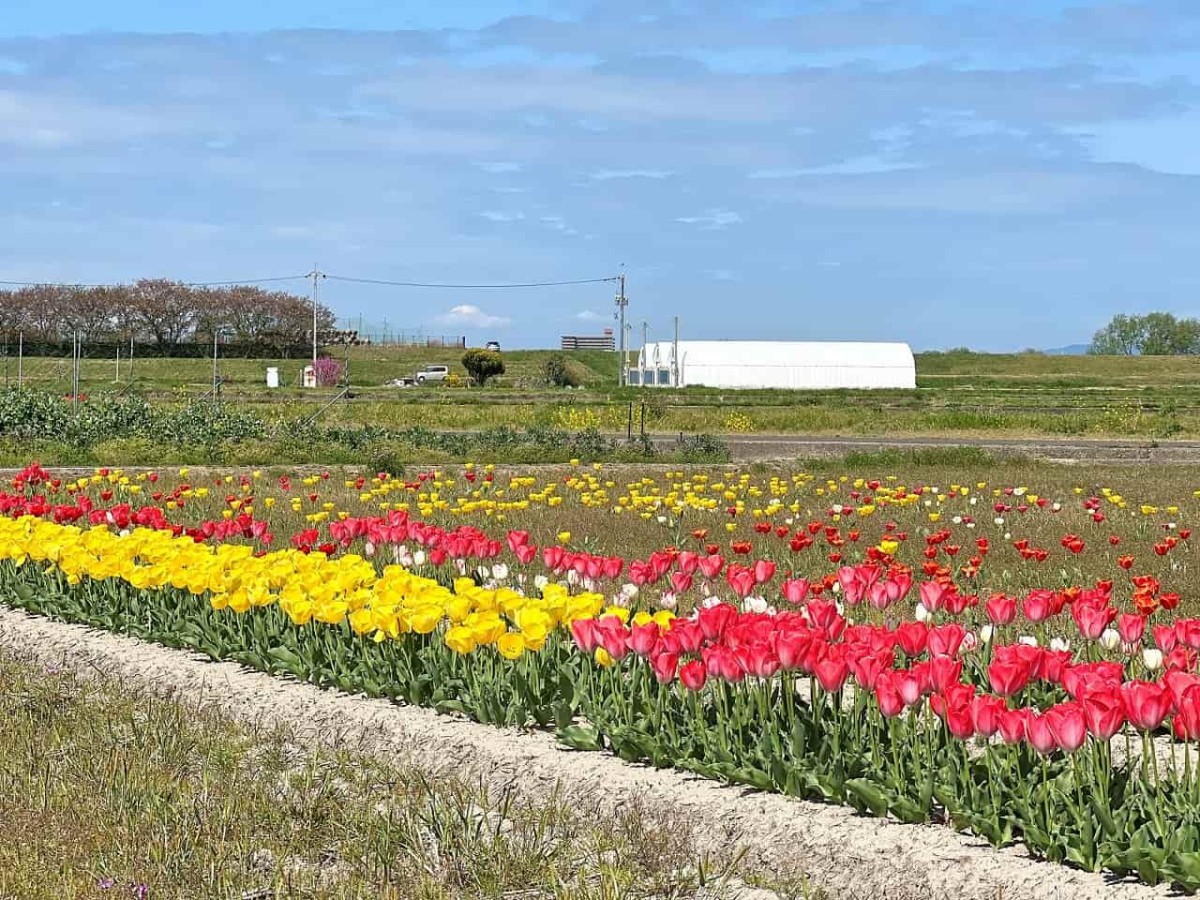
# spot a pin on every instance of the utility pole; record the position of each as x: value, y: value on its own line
x: 622, y: 302
x: 675, y: 356
x: 316, y: 274
x: 216, y: 377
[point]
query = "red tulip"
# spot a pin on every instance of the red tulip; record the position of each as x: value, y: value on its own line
x: 945, y: 640
x: 1146, y: 703
x: 1010, y: 670
x: 944, y: 671
x: 795, y: 590
x: 715, y: 619
x: 664, y: 666
x: 1068, y: 725
x: 1103, y: 710
x: 831, y: 670
x: 584, y: 632
x: 1012, y: 725
x: 1039, y: 734
x: 1187, y: 716
x: 764, y: 571
x: 913, y: 637
x: 1092, y: 618
x: 643, y: 638
x: 1131, y: 627
x: 693, y: 675
x: 711, y: 565
x: 985, y: 712
x: 1001, y: 609
x: 955, y: 706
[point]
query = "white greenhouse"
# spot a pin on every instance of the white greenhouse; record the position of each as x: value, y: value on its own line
x: 798, y: 365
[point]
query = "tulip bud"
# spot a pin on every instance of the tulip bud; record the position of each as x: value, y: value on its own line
x: 540, y: 582
x: 1028, y: 639
x: 418, y: 558
x: 986, y: 633
x: 922, y: 614
x: 668, y: 600
x: 1059, y: 644
x: 710, y: 602
x: 629, y: 591
x: 957, y: 520
x: 999, y: 520
x: 1152, y: 658
x: 1008, y: 535
x: 969, y: 642
x: 368, y: 549
x: 1110, y: 639
x: 500, y: 571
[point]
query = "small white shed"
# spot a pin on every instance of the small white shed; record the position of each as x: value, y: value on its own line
x: 798, y: 365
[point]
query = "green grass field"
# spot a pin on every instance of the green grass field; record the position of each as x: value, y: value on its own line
x: 958, y: 393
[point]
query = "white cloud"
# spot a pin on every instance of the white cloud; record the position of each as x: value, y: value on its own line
x: 609, y: 174
x: 589, y: 315
x: 471, y: 316
x: 713, y: 219
x: 496, y: 216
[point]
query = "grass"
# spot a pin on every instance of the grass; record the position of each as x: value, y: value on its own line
x: 104, y: 789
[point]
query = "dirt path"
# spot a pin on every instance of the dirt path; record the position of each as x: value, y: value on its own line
x: 843, y: 855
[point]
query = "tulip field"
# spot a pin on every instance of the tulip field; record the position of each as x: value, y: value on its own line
x: 1010, y: 653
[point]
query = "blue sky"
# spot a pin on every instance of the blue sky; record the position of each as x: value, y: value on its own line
x: 946, y: 173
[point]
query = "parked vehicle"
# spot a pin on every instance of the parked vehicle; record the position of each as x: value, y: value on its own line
x: 432, y: 373
x: 492, y: 345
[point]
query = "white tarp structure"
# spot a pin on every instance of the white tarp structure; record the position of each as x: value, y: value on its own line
x: 799, y: 365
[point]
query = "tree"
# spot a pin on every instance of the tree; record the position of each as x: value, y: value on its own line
x: 1154, y: 334
x: 482, y: 365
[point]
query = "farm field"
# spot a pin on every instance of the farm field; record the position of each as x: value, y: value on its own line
x: 1010, y: 650
x: 959, y: 393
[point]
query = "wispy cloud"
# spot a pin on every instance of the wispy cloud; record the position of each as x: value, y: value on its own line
x: 499, y: 168
x: 468, y: 315
x: 589, y: 315
x: 712, y: 220
x: 493, y: 215
x: 610, y: 174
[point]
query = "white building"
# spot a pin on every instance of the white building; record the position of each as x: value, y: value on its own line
x: 799, y: 365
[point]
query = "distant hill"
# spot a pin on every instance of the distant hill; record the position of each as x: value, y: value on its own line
x: 1069, y: 350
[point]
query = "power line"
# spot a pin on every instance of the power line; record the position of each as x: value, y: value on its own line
x: 346, y: 278
x: 421, y: 284
x: 62, y: 284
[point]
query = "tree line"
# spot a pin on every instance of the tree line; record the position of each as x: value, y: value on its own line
x: 161, y: 314
x: 1154, y: 334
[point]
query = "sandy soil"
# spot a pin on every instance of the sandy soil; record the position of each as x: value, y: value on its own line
x: 843, y: 855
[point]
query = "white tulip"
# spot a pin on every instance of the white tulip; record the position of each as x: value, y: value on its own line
x: 999, y: 520
x: 1152, y: 658
x: 368, y: 549
x: 1110, y: 639
x: 629, y: 590
x: 1028, y: 640
x: 922, y: 614
x: 710, y: 602
x: 986, y: 633
x: 957, y: 520
x: 755, y: 604
x: 1059, y: 644
x: 418, y: 558
x: 500, y: 571
x: 668, y: 600
x: 540, y: 582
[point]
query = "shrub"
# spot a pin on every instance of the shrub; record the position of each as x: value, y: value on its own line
x: 328, y: 371
x: 559, y: 371
x: 482, y: 365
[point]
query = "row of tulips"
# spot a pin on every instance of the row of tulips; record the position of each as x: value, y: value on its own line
x: 932, y: 720
x: 1011, y: 740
